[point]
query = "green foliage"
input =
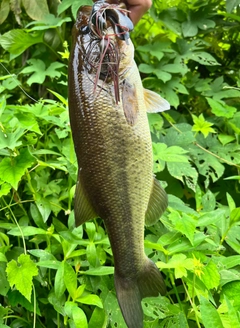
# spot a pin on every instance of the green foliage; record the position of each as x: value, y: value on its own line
x: 56, y: 275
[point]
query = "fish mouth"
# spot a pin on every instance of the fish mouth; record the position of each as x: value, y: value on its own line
x: 107, y: 25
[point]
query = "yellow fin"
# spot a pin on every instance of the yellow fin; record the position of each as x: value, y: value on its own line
x: 157, y: 204
x: 82, y: 208
x: 154, y: 102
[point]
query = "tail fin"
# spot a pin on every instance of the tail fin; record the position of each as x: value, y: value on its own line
x: 148, y: 282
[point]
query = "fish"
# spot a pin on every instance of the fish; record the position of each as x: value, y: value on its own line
x: 108, y: 115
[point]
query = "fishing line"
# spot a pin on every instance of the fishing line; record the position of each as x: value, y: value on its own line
x: 13, y: 77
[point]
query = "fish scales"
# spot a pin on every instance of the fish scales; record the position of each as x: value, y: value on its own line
x: 114, y: 151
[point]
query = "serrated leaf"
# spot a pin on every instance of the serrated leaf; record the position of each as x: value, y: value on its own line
x: 169, y: 154
x: 11, y: 139
x: 185, y: 224
x: 180, y: 263
x: 12, y: 169
x: 39, y: 70
x: 201, y: 125
x: 17, y: 41
x: 21, y: 274
x: 4, y: 189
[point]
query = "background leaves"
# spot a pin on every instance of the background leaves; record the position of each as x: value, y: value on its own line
x: 56, y: 275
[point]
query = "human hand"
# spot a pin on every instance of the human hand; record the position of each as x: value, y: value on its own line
x: 137, y: 8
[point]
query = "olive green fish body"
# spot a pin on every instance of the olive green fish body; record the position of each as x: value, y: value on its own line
x: 114, y: 151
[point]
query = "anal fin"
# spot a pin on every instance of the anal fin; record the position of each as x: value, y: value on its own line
x: 157, y: 204
x: 82, y: 208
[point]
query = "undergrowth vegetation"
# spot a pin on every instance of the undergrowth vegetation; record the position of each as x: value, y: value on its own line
x: 53, y: 274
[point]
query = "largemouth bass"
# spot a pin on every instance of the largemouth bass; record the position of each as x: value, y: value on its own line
x: 108, y: 115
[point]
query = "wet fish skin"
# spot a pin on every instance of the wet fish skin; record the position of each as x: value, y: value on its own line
x: 114, y: 151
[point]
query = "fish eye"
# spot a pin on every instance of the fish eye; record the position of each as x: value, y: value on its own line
x: 85, y: 29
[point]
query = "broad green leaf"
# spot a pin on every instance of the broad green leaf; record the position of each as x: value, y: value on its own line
x: 4, y: 10
x: 204, y: 58
x: 153, y: 49
x: 17, y: 41
x: 220, y: 108
x: 189, y: 29
x: 235, y: 215
x: 59, y: 285
x: 70, y: 279
x: 112, y: 308
x: 36, y: 9
x: 169, y: 154
x: 231, y: 202
x: 208, y: 311
x: 49, y: 21
x: 145, y: 68
x: 79, y: 317
x: 211, y: 217
x: 101, y: 271
x: 76, y: 313
x: 231, y: 4
x: 155, y: 246
x: 50, y: 264
x: 21, y: 274
x: 44, y: 207
x: 210, y: 276
x: 90, y: 300
x: 163, y: 76
x: 230, y: 261
x: 12, y: 169
x: 232, y: 314
x: 184, y: 172
x: 98, y: 319
x: 225, y: 139
x: 27, y: 231
x: 231, y: 291
x: 3, y: 258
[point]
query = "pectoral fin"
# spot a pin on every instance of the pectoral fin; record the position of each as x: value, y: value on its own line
x: 154, y: 102
x: 82, y: 208
x: 157, y: 203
